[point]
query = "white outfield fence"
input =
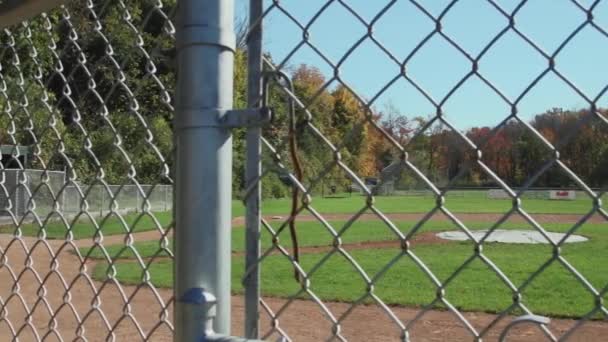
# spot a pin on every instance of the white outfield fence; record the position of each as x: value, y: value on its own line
x: 470, y: 192
x: 562, y: 195
x: 538, y: 194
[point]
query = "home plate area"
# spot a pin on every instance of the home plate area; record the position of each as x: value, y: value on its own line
x: 511, y: 236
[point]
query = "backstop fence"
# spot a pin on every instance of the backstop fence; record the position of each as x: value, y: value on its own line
x: 137, y: 98
x: 46, y: 189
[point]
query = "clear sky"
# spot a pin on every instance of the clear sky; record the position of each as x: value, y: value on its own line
x: 510, y: 64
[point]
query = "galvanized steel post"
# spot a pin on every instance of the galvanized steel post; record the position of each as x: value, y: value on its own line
x: 253, y: 173
x: 205, y: 55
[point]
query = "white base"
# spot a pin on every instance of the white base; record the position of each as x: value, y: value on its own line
x: 511, y: 236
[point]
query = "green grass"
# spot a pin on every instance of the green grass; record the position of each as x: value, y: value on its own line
x: 313, y: 234
x: 554, y: 292
x: 309, y: 234
x: 85, y: 228
x: 474, y: 203
x: 416, y: 204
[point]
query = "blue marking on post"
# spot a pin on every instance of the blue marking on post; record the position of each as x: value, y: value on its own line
x: 195, y: 295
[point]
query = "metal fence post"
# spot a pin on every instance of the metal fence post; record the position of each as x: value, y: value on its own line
x: 136, y: 200
x: 165, y: 198
x: 205, y: 54
x: 64, y: 189
x: 102, y: 201
x: 253, y: 173
x: 16, y: 194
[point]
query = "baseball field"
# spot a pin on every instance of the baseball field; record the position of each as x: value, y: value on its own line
x: 374, y: 246
x: 354, y: 255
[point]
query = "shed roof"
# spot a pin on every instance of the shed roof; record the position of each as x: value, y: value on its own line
x: 18, y: 150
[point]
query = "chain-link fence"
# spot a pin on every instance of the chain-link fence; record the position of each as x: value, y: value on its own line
x: 87, y: 88
x: 18, y: 199
x: 370, y: 267
x: 43, y: 197
x: 125, y: 199
x: 341, y: 247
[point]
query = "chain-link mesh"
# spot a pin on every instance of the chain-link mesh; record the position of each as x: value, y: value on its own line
x: 128, y: 197
x: 342, y: 291
x: 86, y: 106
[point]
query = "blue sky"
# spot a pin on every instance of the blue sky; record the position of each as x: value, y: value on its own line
x: 511, y: 64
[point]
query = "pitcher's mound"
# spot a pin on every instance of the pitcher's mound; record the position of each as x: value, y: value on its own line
x: 511, y: 236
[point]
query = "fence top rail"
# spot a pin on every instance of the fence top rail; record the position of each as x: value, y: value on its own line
x: 32, y: 171
x: 15, y: 11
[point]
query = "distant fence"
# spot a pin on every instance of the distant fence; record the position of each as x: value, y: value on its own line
x: 125, y: 198
x: 43, y: 192
x: 388, y: 189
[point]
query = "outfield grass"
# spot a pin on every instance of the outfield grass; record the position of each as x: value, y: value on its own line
x: 392, y: 204
x: 310, y: 234
x: 417, y: 204
x: 85, y: 228
x: 313, y: 234
x: 555, y: 292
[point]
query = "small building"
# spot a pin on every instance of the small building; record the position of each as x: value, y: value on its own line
x: 21, y: 183
x: 14, y: 161
x: 15, y: 156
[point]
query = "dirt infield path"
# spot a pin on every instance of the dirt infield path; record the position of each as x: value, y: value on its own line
x: 464, y: 217
x: 303, y: 320
x: 53, y: 264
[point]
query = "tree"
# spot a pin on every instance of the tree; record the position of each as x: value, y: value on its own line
x: 114, y: 97
x: 397, y: 125
x: 348, y: 119
x: 28, y: 119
